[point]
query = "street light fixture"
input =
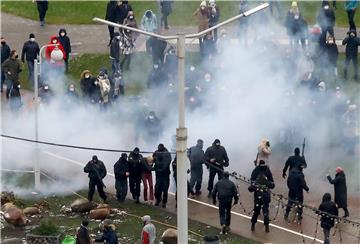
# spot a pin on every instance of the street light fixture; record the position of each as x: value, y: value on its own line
x: 55, y: 55
x: 181, y: 131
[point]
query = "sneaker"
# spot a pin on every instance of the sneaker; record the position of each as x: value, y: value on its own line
x: 223, y: 230
x: 252, y: 227
x: 267, y: 228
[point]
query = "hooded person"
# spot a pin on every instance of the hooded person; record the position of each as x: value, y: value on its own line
x: 326, y: 20
x: 214, y: 16
x: 264, y: 152
x: 96, y: 172
x: 148, y: 233
x: 87, y: 84
x: 294, y: 161
x: 352, y: 43
x: 65, y: 42
x: 5, y: 54
x: 332, y: 54
x: 49, y: 49
x: 196, y: 156
x: 115, y: 52
x: 130, y: 20
x: 30, y: 51
x: 149, y: 22
x: 71, y: 93
x: 104, y: 84
x: 111, y: 12
x: 82, y: 234
x: 135, y: 163
x: 202, y: 16
x: 127, y: 46
x: 109, y: 235
x: 166, y: 9
x: 11, y: 68
x: 153, y: 127
x: 121, y: 171
x: 122, y: 10
x: 162, y: 161
x: 340, y: 189
x: 327, y: 221
x: 216, y: 159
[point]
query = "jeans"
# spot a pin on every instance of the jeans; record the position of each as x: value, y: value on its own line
x: 42, y: 7
x: 148, y: 185
x: 351, y: 16
x: 30, y: 65
x: 115, y: 66
x: 326, y: 236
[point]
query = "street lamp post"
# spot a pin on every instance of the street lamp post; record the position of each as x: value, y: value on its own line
x: 181, y: 131
x: 37, y: 74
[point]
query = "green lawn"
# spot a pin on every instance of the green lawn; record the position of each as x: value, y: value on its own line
x: 128, y: 227
x: 83, y: 11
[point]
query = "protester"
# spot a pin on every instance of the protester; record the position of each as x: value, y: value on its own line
x: 42, y: 7
x: 326, y: 20
x: 121, y: 171
x: 108, y: 235
x: 264, y: 152
x: 350, y: 7
x: 352, y: 43
x: 197, y: 159
x: 55, y: 45
x: 122, y: 11
x: 327, y: 221
x: 214, y: 17
x: 243, y: 25
x: 216, y: 159
x: 15, y: 96
x: 135, y: 169
x: 96, y: 172
x: 115, y: 53
x: 296, y: 26
x: 162, y: 161
x: 149, y: 22
x: 296, y: 184
x: 82, y: 234
x: 130, y: 21
x: 156, y: 47
x: 5, y: 54
x: 117, y: 85
x: 294, y: 161
x: 166, y: 9
x: 46, y: 94
x: 65, y: 42
x: 127, y: 47
x: 261, y: 183
x: 202, y: 15
x: 152, y: 126
x: 225, y: 191
x: 87, y: 83
x: 350, y: 123
x: 146, y: 176
x: 332, y: 55
x: 340, y: 190
x: 148, y: 233
x: 111, y: 10
x: 104, y: 85
x: 31, y: 51
x: 71, y: 94
x: 11, y: 68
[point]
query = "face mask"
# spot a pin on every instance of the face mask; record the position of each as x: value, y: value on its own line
x: 151, y: 117
x: 87, y: 76
x: 3, y: 42
x: 46, y: 88
x: 72, y: 89
x: 217, y: 144
x: 296, y: 17
x: 192, y: 68
x: 156, y: 67
x: 118, y: 37
x: 62, y: 34
x: 202, y: 7
x: 331, y: 42
x: 18, y: 86
x: 131, y: 17
x: 352, y: 35
x: 54, y: 41
x: 326, y: 7
x: 32, y: 39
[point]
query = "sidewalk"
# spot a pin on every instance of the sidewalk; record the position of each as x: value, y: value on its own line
x: 94, y: 38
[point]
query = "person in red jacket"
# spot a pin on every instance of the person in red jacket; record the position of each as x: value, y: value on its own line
x: 54, y: 40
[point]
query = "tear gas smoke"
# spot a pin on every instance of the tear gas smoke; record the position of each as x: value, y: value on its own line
x: 253, y: 95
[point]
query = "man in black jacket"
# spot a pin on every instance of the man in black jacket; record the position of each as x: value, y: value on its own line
x: 96, y: 172
x: 65, y: 42
x: 326, y: 20
x: 121, y: 171
x: 352, y: 43
x: 11, y: 68
x: 294, y: 161
x: 156, y: 47
x: 111, y: 8
x: 165, y: 12
x: 42, y: 6
x: 162, y: 161
x: 197, y: 159
x: 135, y: 169
x: 261, y: 183
x: 31, y: 51
x: 225, y: 190
x: 82, y: 235
x: 340, y: 189
x: 5, y: 54
x: 327, y: 221
x: 296, y: 184
x: 216, y: 159
x: 115, y: 54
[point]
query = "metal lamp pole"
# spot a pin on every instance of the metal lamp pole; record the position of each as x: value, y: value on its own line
x: 37, y: 74
x: 181, y: 131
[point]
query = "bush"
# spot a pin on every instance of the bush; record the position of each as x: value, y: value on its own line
x: 46, y: 228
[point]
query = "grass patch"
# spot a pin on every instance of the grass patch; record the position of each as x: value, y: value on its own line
x: 128, y: 228
x: 83, y: 11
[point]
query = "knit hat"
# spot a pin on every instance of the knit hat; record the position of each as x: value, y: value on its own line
x: 31, y: 35
x: 203, y: 3
x: 294, y: 4
x: 338, y: 169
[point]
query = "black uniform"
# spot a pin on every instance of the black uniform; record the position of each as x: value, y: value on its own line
x: 156, y: 47
x: 5, y: 54
x: 65, y: 42
x: 111, y: 16
x: 121, y: 169
x: 135, y: 168
x: 296, y: 184
x: 327, y: 222
x: 197, y: 159
x: 215, y: 156
x: 261, y: 183
x: 339, y: 183
x: 96, y: 172
x: 351, y: 53
x: 42, y: 6
x: 162, y: 161
x: 225, y: 190
x: 294, y: 161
